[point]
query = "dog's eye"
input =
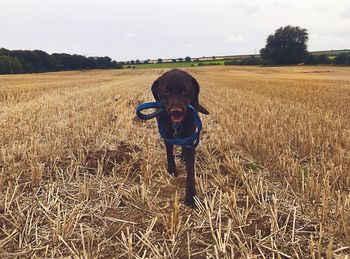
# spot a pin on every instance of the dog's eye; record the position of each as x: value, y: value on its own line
x: 166, y: 93
x: 184, y: 92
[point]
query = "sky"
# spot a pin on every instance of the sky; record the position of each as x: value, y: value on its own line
x: 142, y: 29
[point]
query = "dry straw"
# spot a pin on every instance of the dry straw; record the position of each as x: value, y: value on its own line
x: 81, y: 176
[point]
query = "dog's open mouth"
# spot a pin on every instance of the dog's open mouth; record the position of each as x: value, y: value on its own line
x: 176, y: 115
x: 177, y: 119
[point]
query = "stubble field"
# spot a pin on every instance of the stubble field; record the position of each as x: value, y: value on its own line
x: 81, y: 176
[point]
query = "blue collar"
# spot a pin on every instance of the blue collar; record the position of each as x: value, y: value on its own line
x: 191, y: 141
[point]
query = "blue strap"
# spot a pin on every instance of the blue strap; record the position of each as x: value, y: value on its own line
x: 191, y: 141
x: 143, y: 106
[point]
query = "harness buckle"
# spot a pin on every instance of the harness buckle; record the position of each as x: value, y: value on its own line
x: 175, y: 127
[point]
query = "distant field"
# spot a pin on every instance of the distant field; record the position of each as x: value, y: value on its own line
x: 330, y: 52
x: 175, y: 65
x: 220, y: 60
x: 81, y: 176
x: 162, y: 65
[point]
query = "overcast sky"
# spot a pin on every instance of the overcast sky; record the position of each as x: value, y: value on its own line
x: 141, y: 29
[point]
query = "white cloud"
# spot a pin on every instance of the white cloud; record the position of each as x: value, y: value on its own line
x: 190, y: 45
x: 346, y: 13
x: 129, y: 35
x: 280, y: 4
x: 234, y: 39
x: 246, y: 8
x: 314, y: 36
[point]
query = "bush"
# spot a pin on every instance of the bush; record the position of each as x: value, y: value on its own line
x: 201, y: 64
x: 117, y: 65
x: 251, y: 61
x: 310, y: 60
x: 342, y: 59
x: 324, y: 59
x: 231, y: 62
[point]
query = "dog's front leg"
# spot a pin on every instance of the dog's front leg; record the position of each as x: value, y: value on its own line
x: 189, y: 154
x: 183, y: 154
x: 171, y: 161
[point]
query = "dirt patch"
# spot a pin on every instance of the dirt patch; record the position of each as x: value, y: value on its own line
x: 120, y: 219
x: 258, y: 223
x: 106, y: 160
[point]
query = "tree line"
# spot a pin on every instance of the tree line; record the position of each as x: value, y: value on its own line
x: 35, y: 61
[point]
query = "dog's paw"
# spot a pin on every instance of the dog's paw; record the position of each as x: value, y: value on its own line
x: 172, y: 171
x: 190, y: 202
x: 182, y: 158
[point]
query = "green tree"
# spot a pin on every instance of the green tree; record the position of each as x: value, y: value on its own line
x: 160, y: 60
x: 187, y: 59
x: 4, y: 52
x: 286, y: 46
x: 117, y: 65
x: 34, y: 61
x: 10, y: 65
x: 28, y: 61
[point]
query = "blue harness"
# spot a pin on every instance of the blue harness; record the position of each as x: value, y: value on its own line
x: 191, y: 141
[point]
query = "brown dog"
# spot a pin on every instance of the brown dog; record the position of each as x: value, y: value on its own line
x: 176, y: 89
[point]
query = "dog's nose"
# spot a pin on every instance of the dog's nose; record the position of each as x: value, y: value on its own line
x: 176, y: 111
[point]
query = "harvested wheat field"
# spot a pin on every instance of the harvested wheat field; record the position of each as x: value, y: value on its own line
x: 81, y: 176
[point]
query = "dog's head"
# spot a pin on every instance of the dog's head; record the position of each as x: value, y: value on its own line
x: 176, y: 89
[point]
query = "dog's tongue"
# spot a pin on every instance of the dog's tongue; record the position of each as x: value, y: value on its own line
x: 177, y: 118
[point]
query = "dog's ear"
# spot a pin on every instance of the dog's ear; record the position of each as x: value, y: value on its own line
x: 154, y: 89
x: 195, y: 101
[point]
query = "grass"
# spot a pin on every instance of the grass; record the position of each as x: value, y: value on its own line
x: 80, y: 176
